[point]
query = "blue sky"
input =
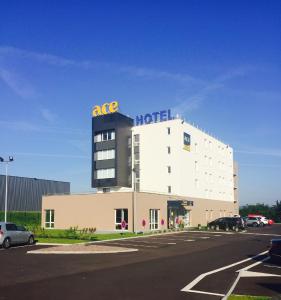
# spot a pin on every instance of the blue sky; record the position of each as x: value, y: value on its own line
x: 216, y: 62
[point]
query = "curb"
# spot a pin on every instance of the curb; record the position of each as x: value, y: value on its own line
x: 83, y: 252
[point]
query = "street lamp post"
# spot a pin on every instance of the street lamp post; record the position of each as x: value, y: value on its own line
x: 6, y: 185
x: 134, y: 202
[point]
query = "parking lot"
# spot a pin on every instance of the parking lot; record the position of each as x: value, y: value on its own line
x: 163, y: 267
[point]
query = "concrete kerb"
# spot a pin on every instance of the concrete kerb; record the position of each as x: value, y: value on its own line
x: 83, y: 252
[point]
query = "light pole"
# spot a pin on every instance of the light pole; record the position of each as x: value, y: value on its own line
x: 134, y: 202
x: 6, y: 189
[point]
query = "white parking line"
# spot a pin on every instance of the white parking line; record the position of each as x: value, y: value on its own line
x: 204, y: 237
x: 270, y: 266
x: 189, y: 240
x: 188, y: 287
x: 156, y: 243
x: 254, y: 233
x: 134, y: 245
x: 241, y: 273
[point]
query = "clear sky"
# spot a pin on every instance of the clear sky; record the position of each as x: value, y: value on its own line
x: 217, y: 62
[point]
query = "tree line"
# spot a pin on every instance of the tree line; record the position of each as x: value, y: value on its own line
x: 272, y: 212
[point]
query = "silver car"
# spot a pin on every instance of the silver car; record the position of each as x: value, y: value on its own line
x: 11, y: 234
x: 254, y: 221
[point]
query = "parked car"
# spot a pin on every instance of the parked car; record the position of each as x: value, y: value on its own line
x: 262, y: 218
x: 227, y: 223
x: 11, y: 234
x: 254, y: 221
x: 275, y: 249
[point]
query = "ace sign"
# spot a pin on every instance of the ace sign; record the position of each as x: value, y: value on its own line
x: 186, y: 141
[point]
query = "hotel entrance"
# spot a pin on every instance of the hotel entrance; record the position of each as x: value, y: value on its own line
x: 178, y: 215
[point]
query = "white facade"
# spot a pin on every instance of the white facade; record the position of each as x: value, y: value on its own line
x: 206, y: 171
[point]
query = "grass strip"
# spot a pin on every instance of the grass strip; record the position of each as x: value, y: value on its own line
x: 247, y: 297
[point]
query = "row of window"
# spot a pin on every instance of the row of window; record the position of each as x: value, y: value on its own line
x: 121, y: 219
x: 106, y: 173
x: 106, y: 135
x: 105, y: 154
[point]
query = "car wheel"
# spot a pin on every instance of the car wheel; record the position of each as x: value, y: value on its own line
x: 226, y: 228
x: 213, y: 227
x: 6, y: 243
x: 236, y: 228
x: 255, y: 224
x: 217, y: 227
x: 31, y: 240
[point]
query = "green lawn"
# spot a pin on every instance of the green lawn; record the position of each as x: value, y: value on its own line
x: 246, y: 297
x: 72, y: 237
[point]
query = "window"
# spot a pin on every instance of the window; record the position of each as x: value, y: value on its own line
x: 169, y: 130
x: 106, y: 173
x: 169, y: 149
x: 11, y: 227
x: 136, y: 138
x: 169, y: 189
x: 49, y: 218
x: 121, y: 215
x: 169, y: 169
x: 105, y: 154
x: 106, y: 135
x: 153, y: 219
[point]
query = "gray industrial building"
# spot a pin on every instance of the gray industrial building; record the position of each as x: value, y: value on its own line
x: 25, y: 194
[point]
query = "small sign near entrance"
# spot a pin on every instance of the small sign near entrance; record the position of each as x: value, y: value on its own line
x: 123, y: 224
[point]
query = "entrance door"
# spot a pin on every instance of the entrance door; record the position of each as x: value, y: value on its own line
x: 186, y: 218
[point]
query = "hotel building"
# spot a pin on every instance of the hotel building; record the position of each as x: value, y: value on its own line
x: 155, y: 173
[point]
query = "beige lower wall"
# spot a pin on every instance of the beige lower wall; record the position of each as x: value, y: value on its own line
x: 98, y: 210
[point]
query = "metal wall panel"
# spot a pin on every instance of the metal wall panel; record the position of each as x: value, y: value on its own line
x: 25, y: 194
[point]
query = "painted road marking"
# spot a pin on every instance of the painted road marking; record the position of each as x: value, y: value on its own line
x: 156, y: 243
x: 189, y: 240
x: 269, y: 266
x: 206, y: 293
x: 188, y: 287
x: 240, y: 275
x: 217, y: 235
x: 257, y: 274
x: 252, y: 233
x: 204, y: 237
x: 212, y: 232
x: 134, y: 245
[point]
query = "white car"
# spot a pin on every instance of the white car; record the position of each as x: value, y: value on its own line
x: 264, y: 220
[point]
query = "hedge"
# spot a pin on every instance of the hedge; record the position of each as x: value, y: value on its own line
x: 25, y: 218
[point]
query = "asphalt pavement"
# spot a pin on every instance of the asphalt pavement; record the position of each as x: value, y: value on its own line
x: 162, y: 268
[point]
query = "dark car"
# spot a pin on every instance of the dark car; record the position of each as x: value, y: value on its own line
x: 227, y: 223
x: 275, y: 249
